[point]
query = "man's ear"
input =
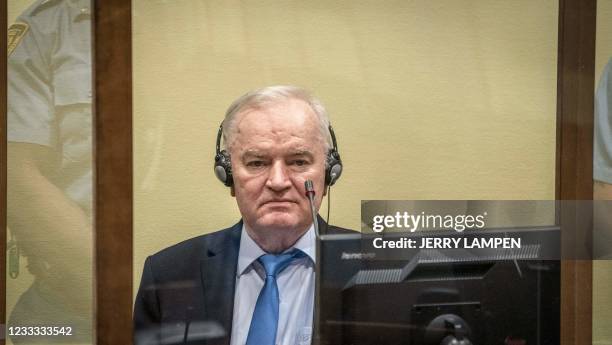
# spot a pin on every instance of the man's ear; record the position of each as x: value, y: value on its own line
x: 233, y: 191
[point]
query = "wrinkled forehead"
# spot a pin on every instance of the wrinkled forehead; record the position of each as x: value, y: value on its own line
x: 291, y: 117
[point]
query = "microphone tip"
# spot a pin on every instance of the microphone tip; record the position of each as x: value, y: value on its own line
x: 309, y: 185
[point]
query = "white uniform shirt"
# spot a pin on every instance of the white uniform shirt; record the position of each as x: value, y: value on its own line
x: 296, y: 285
x: 49, y: 90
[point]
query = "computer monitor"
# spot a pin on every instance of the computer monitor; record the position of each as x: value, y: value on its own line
x: 370, y: 296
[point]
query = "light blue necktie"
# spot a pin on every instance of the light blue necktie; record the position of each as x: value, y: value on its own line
x: 265, y: 316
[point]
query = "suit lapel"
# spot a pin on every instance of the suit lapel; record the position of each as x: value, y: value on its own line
x: 218, y: 271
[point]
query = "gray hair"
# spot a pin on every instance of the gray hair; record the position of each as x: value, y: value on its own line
x: 263, y: 97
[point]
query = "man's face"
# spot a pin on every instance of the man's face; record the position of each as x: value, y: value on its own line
x: 274, y: 150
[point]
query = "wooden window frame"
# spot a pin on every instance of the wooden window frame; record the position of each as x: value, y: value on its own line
x: 113, y: 168
x: 574, y: 164
x: 113, y: 171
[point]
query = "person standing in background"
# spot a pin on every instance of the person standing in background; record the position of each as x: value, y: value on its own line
x: 49, y: 176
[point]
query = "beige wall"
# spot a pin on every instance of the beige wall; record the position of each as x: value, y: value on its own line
x: 429, y: 100
x: 602, y: 270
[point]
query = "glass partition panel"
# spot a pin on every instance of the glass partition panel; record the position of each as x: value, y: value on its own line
x: 602, y: 175
x: 49, y: 179
x: 429, y: 100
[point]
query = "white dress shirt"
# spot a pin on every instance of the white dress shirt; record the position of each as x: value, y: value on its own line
x: 296, y: 285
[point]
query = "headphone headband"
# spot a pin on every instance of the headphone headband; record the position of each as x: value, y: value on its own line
x: 333, y: 137
x: 219, y: 135
x: 223, y: 162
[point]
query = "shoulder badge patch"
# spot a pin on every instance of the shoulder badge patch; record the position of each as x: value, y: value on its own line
x: 15, y: 34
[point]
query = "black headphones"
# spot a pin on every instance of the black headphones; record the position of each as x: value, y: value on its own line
x: 223, y: 162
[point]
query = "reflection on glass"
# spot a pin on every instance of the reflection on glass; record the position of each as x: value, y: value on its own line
x: 602, y: 212
x: 602, y: 163
x: 50, y: 174
x: 602, y: 167
x: 602, y: 186
x: 431, y: 100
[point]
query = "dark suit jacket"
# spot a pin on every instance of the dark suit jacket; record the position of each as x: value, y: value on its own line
x: 186, y: 294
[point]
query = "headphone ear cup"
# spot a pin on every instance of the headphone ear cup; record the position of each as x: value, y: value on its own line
x: 334, y: 168
x: 334, y: 173
x: 223, y: 168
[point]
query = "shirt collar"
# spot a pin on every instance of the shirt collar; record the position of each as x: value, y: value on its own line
x: 250, y: 251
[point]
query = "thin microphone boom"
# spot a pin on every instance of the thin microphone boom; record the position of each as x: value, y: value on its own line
x: 310, y: 193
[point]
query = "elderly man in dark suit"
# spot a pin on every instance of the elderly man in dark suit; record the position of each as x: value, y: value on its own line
x: 252, y: 283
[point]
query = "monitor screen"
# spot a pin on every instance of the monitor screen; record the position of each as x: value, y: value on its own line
x: 447, y: 296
